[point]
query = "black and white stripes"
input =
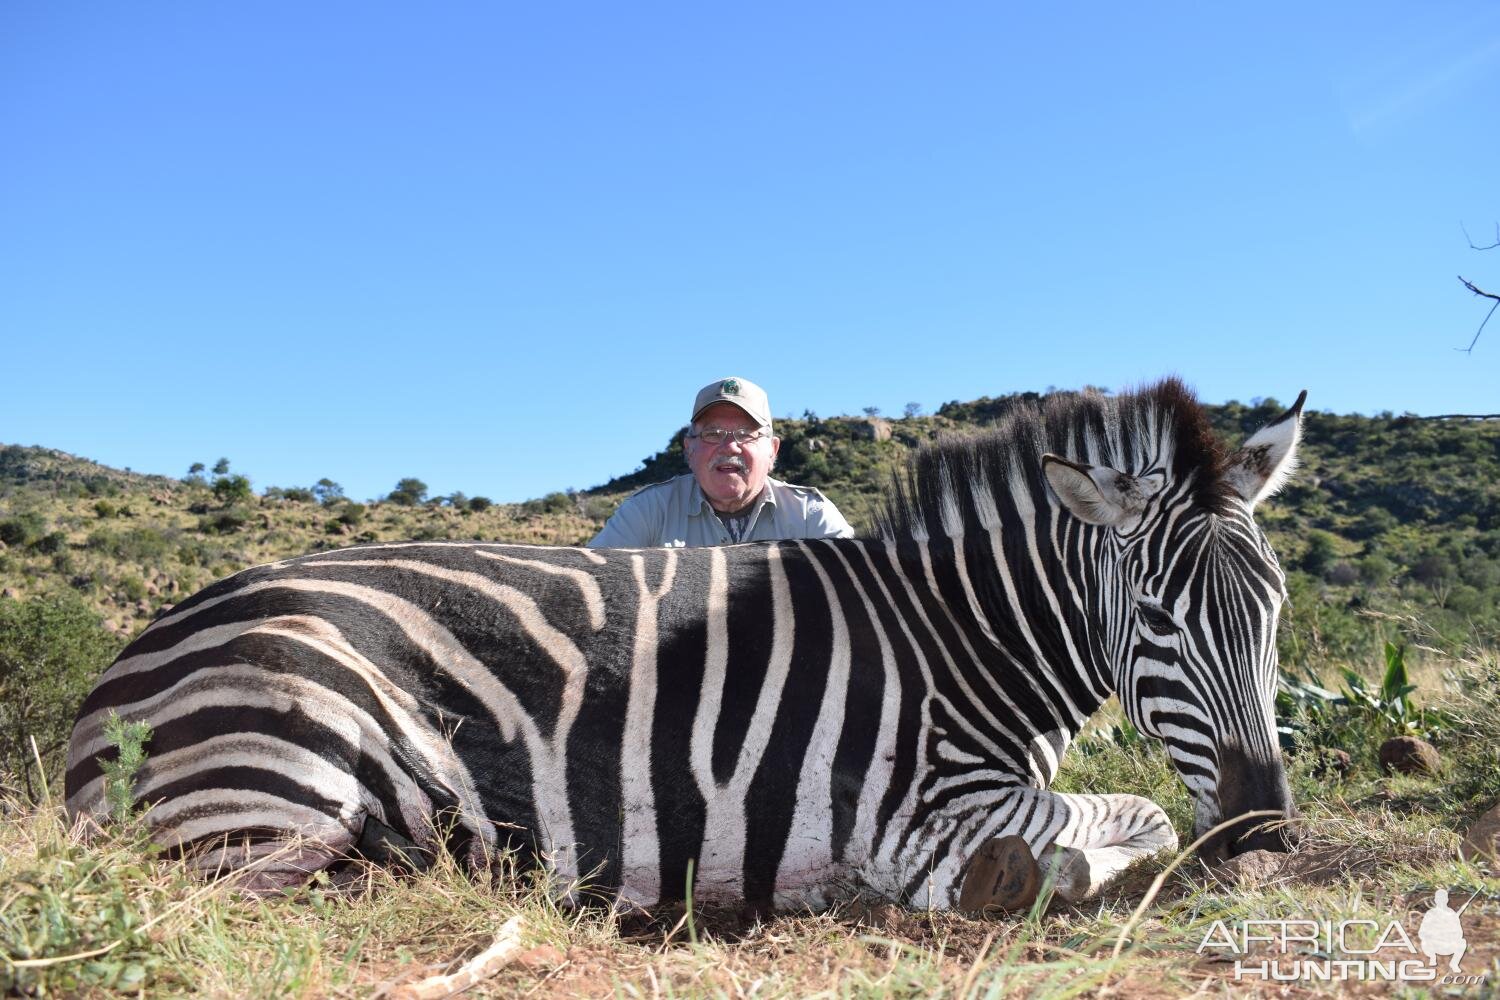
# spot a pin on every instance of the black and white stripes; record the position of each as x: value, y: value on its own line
x: 784, y: 719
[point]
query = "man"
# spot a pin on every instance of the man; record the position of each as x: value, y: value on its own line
x: 729, y: 496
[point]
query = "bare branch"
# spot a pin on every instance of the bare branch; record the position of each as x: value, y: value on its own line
x: 1471, y: 239
x: 1484, y: 294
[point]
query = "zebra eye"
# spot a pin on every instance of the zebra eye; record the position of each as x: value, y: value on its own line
x: 1157, y: 619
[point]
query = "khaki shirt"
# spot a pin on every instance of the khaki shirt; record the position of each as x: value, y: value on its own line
x: 675, y: 514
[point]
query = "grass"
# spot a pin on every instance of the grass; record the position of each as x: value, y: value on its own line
x: 130, y: 565
x: 106, y: 915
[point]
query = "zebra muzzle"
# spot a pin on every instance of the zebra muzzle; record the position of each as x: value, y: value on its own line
x: 1250, y: 786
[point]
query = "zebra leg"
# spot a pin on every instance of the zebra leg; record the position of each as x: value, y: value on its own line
x: 1079, y: 842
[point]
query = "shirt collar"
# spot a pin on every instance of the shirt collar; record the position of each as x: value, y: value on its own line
x: 701, y: 505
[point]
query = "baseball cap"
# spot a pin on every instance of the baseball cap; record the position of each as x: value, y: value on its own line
x: 739, y: 392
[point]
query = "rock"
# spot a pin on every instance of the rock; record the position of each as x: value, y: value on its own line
x: 1332, y: 763
x: 1409, y: 755
x: 1251, y: 869
x: 543, y: 956
x: 1482, y: 842
x: 11, y: 593
x: 817, y: 444
x: 873, y: 428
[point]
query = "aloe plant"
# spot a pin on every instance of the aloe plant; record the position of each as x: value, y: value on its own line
x: 1303, y: 703
x: 1391, y: 702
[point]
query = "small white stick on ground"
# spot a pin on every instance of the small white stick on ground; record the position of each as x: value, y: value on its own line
x: 477, y: 969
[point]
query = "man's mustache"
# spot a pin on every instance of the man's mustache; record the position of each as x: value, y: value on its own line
x: 734, y: 460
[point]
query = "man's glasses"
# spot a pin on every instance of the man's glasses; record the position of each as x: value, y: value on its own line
x: 718, y: 435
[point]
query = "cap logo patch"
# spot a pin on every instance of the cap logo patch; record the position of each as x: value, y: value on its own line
x: 730, y: 387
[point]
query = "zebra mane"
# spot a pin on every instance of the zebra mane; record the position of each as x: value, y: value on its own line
x: 961, y: 483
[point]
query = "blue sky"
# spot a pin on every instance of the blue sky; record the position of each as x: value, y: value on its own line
x: 499, y: 247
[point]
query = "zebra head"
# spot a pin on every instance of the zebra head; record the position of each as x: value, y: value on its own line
x: 1191, y: 593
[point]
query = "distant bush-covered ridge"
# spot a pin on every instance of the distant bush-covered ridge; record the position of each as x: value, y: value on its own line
x: 1388, y: 515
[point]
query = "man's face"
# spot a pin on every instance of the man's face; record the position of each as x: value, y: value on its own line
x: 730, y: 474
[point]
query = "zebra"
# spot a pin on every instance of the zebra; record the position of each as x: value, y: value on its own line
x: 779, y: 721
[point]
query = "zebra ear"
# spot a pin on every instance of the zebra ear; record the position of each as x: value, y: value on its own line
x: 1097, y: 494
x: 1267, y: 460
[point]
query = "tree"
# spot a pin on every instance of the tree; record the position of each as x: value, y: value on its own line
x: 220, y: 467
x: 1480, y: 291
x: 232, y: 489
x: 327, y: 492
x: 409, y: 492
x: 912, y: 410
x: 872, y: 412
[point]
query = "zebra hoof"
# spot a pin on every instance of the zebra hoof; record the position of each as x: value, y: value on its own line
x: 1002, y: 875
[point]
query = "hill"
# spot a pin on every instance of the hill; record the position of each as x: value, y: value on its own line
x: 1395, y: 514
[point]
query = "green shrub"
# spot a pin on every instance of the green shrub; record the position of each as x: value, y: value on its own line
x: 224, y: 522
x: 1376, y: 570
x: 552, y: 503
x: 1321, y: 552
x: 598, y: 508
x: 197, y: 552
x: 480, y: 504
x: 135, y: 544
x: 22, y: 529
x: 133, y: 587
x: 1431, y: 568
x: 104, y: 509
x: 352, y: 514
x: 54, y: 541
x: 1465, y: 600
x: 51, y: 650
x: 409, y: 492
x: 130, y: 738
x: 232, y: 489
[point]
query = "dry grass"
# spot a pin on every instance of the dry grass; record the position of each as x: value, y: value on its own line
x: 96, y: 917
x: 168, y: 552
